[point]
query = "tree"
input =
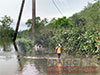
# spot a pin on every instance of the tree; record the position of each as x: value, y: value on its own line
x: 60, y: 22
x: 5, y: 29
x: 6, y: 21
x: 39, y: 23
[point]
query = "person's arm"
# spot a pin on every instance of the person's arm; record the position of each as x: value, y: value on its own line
x: 61, y: 50
x: 56, y: 49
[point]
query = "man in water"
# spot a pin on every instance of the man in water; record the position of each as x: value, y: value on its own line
x: 58, y: 50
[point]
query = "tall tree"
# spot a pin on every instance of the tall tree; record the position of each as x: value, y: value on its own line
x: 39, y: 23
x: 5, y: 29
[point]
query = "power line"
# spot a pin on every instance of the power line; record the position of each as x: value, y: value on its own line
x: 61, y: 4
x: 65, y: 3
x: 57, y: 7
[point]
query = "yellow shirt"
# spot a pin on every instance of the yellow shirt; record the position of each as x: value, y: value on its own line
x: 58, y: 49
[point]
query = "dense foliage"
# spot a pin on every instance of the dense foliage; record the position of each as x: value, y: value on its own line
x: 5, y: 30
x: 78, y: 35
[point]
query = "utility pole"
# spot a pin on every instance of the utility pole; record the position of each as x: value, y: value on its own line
x: 20, y: 15
x: 33, y: 15
x: 19, y: 18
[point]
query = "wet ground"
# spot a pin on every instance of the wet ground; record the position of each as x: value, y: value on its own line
x: 11, y: 63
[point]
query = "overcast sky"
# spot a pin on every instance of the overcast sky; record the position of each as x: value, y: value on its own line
x: 44, y: 8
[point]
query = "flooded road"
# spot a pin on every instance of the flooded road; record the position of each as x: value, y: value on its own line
x: 13, y: 63
x: 9, y: 65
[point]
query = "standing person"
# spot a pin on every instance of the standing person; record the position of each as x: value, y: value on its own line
x: 58, y: 50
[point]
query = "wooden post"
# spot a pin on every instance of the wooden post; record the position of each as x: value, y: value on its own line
x: 19, y: 18
x: 33, y: 15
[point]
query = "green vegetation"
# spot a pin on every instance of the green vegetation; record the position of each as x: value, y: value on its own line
x: 5, y: 30
x: 79, y: 34
x: 6, y: 33
x: 25, y: 46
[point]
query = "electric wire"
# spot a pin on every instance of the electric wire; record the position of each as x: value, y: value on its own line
x: 57, y: 7
x: 60, y: 3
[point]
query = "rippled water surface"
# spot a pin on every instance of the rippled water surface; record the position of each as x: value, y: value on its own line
x: 12, y: 64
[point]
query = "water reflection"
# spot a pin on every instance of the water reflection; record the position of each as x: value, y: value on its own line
x: 58, y: 67
x: 5, y: 46
x: 18, y: 55
x: 12, y: 63
x: 34, y: 67
x: 9, y: 60
x: 8, y: 67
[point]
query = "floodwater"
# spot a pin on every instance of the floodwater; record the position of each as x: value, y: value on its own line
x: 12, y: 63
